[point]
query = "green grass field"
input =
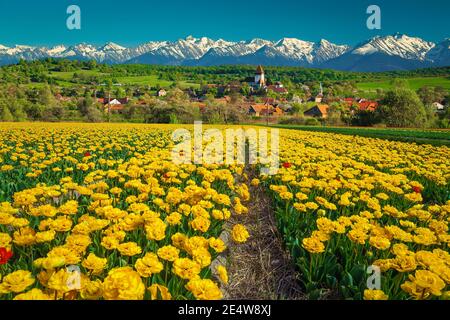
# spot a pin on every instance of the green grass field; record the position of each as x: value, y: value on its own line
x: 64, y: 78
x: 153, y: 80
x: 413, y: 83
x: 69, y: 74
x: 433, y: 137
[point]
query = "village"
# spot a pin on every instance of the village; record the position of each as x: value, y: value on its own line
x: 85, y: 91
x: 266, y: 101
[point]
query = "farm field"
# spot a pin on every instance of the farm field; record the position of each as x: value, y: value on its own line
x: 108, y: 201
x: 68, y: 75
x: 434, y: 137
x: 413, y: 83
x: 154, y: 81
x: 346, y: 203
x: 149, y: 80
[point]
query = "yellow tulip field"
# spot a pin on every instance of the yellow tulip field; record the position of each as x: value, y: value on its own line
x: 100, y: 211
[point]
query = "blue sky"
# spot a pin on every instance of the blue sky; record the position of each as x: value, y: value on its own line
x: 132, y: 22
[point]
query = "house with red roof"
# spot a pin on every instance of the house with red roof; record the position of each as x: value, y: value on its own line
x: 367, y: 105
x: 113, y: 104
x: 259, y: 110
x: 278, y: 88
x: 113, y: 101
x: 362, y: 104
x: 349, y: 101
x: 318, y: 111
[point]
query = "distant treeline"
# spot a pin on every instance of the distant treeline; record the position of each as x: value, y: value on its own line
x: 38, y: 71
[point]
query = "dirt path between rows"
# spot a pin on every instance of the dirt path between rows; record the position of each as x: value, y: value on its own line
x: 260, y: 268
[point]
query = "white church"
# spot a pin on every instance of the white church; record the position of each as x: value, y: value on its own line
x: 260, y: 78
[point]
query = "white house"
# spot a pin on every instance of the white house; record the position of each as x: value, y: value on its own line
x: 438, y: 107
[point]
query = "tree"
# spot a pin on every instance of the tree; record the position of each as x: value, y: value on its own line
x: 177, y: 97
x: 431, y: 117
x: 129, y: 92
x: 428, y: 95
x: 444, y: 121
x: 129, y: 111
x: 399, y: 83
x: 297, y: 108
x: 46, y: 97
x: 213, y: 91
x: 6, y: 115
x: 402, y: 107
x: 348, y: 113
x: 213, y: 114
x: 92, y: 64
x: 364, y: 118
x: 108, y: 90
x: 245, y: 89
x: 235, y: 114
x: 166, y: 113
x: 236, y: 98
x: 335, y: 112
x: 119, y: 93
x: 84, y: 104
x: 34, y: 111
x: 94, y: 115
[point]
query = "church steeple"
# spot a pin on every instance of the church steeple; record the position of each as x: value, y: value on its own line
x: 259, y: 70
x: 260, y: 79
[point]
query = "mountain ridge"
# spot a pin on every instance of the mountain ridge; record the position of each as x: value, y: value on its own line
x: 380, y: 53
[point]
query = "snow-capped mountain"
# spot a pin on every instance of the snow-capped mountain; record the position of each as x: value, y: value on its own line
x: 394, y: 52
x: 287, y: 51
x: 295, y: 49
x: 398, y: 45
x: 181, y: 51
x: 56, y: 50
x: 325, y: 50
x: 111, y: 46
x: 440, y: 54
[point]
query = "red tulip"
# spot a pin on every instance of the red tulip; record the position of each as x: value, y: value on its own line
x: 417, y: 190
x: 287, y: 165
x: 5, y: 255
x: 87, y: 154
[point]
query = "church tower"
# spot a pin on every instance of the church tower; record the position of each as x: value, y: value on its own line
x: 260, y: 79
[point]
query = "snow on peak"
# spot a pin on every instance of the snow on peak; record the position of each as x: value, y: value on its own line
x: 293, y: 42
x: 285, y: 49
x: 396, y: 45
x: 325, y: 50
x: 296, y: 49
x: 56, y: 50
x: 111, y: 46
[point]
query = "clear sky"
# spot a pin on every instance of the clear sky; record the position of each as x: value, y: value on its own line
x: 131, y: 22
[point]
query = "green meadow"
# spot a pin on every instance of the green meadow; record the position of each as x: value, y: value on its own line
x: 413, y: 83
x: 64, y: 79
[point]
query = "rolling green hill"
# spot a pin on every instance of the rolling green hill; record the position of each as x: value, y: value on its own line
x: 66, y: 73
x: 65, y: 77
x: 413, y: 83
